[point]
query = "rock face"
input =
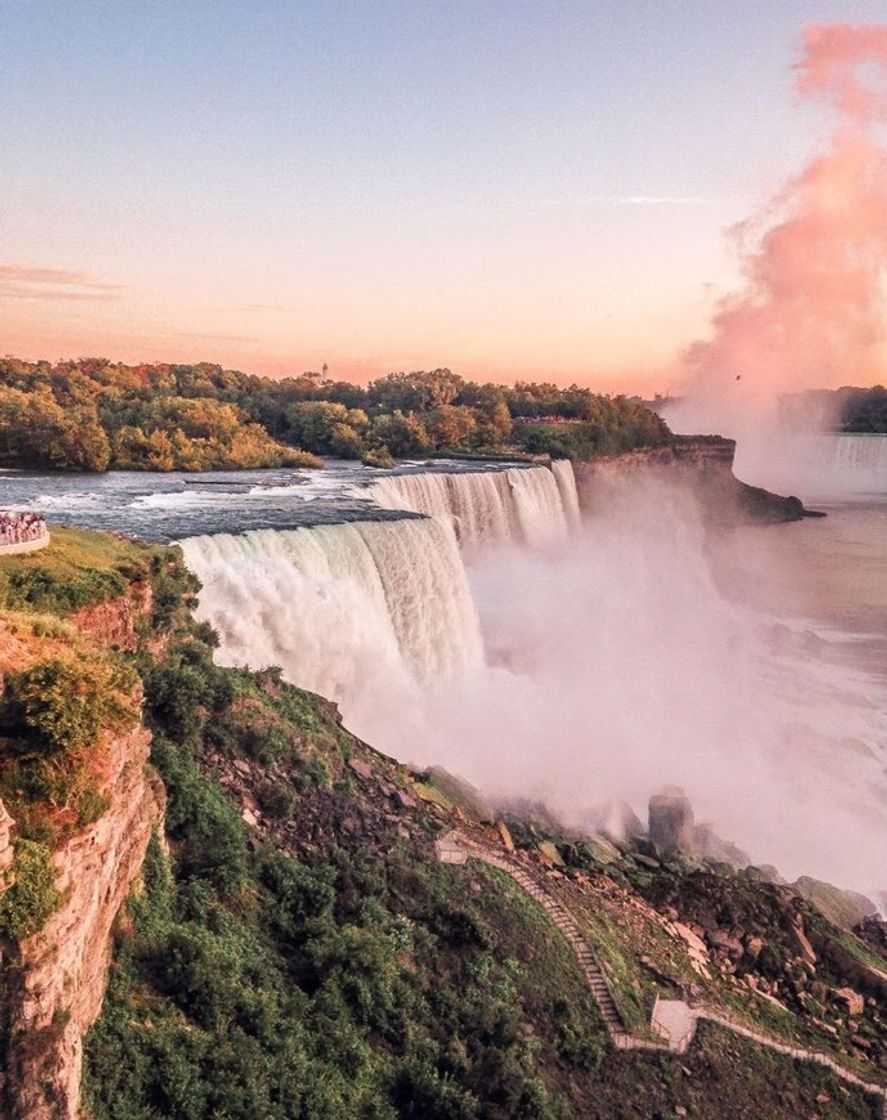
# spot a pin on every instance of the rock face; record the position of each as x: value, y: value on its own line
x: 707, y: 465
x: 54, y: 981
x: 115, y: 622
x: 671, y: 827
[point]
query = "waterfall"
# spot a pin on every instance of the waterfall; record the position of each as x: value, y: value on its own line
x: 862, y: 458
x: 341, y: 608
x: 531, y: 505
x: 814, y: 465
x: 562, y: 469
x: 581, y: 675
x: 366, y: 608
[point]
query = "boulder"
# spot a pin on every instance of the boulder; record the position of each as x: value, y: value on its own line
x: 854, y: 1001
x: 362, y: 769
x: 670, y: 821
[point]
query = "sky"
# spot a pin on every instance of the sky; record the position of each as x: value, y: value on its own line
x: 512, y: 190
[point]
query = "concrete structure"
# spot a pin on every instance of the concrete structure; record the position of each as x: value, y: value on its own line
x: 15, y: 548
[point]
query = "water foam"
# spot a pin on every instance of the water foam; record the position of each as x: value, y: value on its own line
x: 531, y: 505
x: 582, y: 676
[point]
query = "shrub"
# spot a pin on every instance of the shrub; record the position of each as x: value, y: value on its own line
x: 276, y: 800
x: 379, y: 457
x: 90, y: 805
x: 62, y: 705
x: 32, y: 896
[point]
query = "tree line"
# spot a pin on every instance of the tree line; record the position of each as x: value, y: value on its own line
x: 93, y: 414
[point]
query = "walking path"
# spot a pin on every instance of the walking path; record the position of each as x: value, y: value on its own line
x: 674, y: 1020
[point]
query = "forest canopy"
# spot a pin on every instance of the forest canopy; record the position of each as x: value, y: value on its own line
x: 93, y: 414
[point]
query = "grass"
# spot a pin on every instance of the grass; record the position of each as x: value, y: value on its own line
x: 77, y: 569
x: 721, y: 1076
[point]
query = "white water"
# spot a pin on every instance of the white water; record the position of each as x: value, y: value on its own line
x: 532, y: 505
x: 345, y: 609
x: 814, y: 465
x: 585, y: 671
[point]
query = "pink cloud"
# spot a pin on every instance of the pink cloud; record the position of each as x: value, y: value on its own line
x: 30, y: 282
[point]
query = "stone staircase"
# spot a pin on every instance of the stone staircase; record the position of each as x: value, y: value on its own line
x: 674, y: 1020
x: 454, y: 849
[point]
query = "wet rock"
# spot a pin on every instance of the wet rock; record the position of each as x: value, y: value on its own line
x: 731, y: 946
x: 671, y: 823
x: 753, y: 947
x: 549, y: 853
x: 404, y: 800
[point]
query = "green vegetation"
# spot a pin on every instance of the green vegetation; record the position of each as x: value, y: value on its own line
x: 77, y: 569
x: 266, y: 980
x: 94, y: 414
x: 31, y: 896
x: 865, y: 410
x: 317, y: 962
x: 59, y: 706
x: 52, y: 715
x: 602, y: 426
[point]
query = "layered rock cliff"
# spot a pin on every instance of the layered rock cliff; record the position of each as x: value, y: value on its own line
x: 54, y: 980
x: 707, y: 464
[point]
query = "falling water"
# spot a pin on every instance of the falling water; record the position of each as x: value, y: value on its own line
x: 341, y: 608
x: 532, y: 505
x: 581, y: 675
x: 814, y: 465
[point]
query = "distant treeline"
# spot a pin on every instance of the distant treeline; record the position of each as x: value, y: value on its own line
x: 93, y: 414
x: 864, y: 410
x: 848, y: 409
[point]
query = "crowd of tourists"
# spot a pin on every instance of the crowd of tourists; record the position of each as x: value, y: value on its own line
x: 17, y: 528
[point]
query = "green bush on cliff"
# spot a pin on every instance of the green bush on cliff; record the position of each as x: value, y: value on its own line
x: 32, y: 896
x: 52, y: 717
x: 36, y: 587
x: 61, y: 705
x: 78, y: 569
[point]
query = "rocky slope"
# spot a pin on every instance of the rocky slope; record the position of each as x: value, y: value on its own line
x: 299, y: 951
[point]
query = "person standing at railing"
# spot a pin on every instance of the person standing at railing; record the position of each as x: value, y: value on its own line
x: 19, y: 528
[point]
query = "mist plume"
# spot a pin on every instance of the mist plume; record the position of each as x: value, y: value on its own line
x: 581, y: 666
x: 810, y: 311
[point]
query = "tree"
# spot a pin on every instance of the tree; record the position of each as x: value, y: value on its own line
x: 402, y: 435
x: 451, y: 425
x: 415, y: 392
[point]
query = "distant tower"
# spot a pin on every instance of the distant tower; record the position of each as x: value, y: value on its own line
x: 324, y: 371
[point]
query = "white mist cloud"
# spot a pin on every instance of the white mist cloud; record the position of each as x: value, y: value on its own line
x: 614, y: 663
x: 622, y: 668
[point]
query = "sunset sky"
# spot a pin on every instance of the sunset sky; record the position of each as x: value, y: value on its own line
x: 509, y: 189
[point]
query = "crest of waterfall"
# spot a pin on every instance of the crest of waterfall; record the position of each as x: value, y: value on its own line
x: 341, y: 608
x: 531, y: 505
